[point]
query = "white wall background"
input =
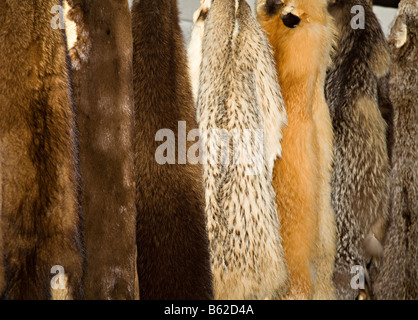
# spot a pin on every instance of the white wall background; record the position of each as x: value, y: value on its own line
x: 386, y: 17
x: 187, y: 7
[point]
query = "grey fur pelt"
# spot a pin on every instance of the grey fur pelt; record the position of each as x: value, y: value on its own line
x: 239, y: 90
x: 361, y: 168
x: 398, y: 276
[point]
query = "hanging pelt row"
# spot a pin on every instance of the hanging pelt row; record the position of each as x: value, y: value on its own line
x: 275, y: 158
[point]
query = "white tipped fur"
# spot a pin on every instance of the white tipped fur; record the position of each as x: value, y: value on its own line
x: 70, y: 27
x: 194, y: 51
x: 237, y: 89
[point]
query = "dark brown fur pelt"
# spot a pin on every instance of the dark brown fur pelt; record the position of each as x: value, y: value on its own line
x: 103, y: 95
x: 398, y: 276
x: 361, y: 168
x: 386, y: 108
x: 40, y: 221
x: 173, y: 247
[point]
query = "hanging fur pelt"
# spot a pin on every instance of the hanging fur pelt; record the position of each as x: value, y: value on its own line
x: 361, y: 166
x: 239, y: 94
x: 101, y: 56
x: 398, y: 274
x: 302, y: 33
x: 173, y: 246
x: 2, y: 275
x: 40, y: 221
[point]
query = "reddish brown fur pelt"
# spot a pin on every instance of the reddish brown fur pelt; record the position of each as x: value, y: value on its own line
x: 173, y: 247
x: 40, y: 219
x: 103, y: 95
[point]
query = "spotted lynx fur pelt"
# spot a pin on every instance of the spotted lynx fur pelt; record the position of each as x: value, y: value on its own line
x: 173, y: 245
x: 398, y: 275
x: 301, y: 33
x: 39, y: 216
x: 239, y: 91
x: 361, y: 166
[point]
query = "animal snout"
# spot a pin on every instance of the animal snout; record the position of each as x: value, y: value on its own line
x: 290, y: 20
x: 273, y: 6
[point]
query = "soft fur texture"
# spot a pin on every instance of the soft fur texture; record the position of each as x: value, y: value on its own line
x: 386, y: 108
x: 77, y: 33
x: 194, y: 50
x: 103, y: 95
x: 2, y: 275
x: 302, y: 177
x: 398, y: 276
x: 40, y: 220
x: 239, y: 91
x: 361, y: 166
x: 173, y: 247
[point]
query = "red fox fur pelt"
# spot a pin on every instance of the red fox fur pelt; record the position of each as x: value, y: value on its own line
x: 302, y: 34
x: 39, y: 214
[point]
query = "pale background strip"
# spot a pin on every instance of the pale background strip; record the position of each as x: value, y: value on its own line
x: 187, y: 7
